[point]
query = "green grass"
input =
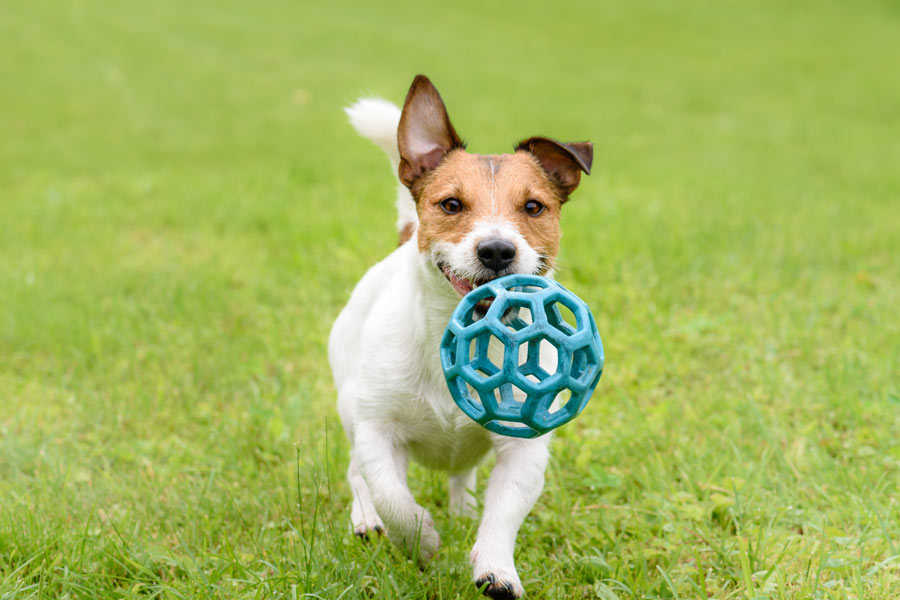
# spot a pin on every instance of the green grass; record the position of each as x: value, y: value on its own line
x: 183, y: 211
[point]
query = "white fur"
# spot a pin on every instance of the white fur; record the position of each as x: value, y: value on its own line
x: 377, y: 120
x: 394, y: 402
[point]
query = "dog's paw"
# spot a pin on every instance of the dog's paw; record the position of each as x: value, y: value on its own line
x: 419, y: 534
x: 364, y: 530
x: 498, y: 572
x: 500, y: 587
x: 366, y: 523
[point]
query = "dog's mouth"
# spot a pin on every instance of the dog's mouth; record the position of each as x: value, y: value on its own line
x: 464, y: 285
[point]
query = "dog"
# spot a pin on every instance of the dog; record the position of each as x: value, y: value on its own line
x: 464, y: 219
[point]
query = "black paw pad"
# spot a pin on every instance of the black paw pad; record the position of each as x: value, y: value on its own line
x: 489, y: 578
x: 364, y: 535
x: 496, y: 590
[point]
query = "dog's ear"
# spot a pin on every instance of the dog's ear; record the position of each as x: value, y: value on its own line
x: 562, y: 162
x: 425, y: 134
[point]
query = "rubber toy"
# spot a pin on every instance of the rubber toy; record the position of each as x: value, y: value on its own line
x: 521, y: 355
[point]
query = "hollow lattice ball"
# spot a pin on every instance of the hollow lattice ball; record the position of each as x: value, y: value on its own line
x: 529, y: 363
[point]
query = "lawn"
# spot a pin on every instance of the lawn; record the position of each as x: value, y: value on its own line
x: 184, y: 210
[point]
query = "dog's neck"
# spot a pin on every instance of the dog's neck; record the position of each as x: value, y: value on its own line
x: 437, y: 298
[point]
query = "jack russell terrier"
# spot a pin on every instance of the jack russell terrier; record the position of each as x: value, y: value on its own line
x: 464, y: 219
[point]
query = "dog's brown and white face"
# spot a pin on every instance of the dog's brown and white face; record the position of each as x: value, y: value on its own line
x: 483, y: 216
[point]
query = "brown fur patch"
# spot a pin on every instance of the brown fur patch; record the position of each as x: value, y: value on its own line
x: 406, y: 233
x: 496, y: 186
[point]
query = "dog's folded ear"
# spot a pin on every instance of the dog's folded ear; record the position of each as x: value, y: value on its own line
x: 425, y: 134
x: 562, y: 162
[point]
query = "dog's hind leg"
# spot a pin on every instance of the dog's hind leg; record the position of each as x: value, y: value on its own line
x: 462, y: 494
x: 363, y: 516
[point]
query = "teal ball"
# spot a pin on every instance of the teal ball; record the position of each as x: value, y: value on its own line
x: 512, y: 360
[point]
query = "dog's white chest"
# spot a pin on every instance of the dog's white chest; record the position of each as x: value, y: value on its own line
x: 444, y: 437
x: 438, y: 434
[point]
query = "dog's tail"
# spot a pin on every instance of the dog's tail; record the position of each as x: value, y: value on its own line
x: 377, y: 120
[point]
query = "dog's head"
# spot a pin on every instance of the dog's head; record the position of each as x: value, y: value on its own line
x: 483, y: 216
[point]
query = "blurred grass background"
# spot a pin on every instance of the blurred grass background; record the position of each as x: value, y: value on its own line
x: 183, y: 211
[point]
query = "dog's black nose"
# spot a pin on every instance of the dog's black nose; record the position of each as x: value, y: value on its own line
x: 495, y: 254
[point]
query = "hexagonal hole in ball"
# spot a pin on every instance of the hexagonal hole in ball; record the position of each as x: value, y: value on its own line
x: 510, y: 400
x: 538, y: 359
x: 510, y: 396
x: 581, y: 364
x: 517, y: 315
x: 480, y: 349
x: 560, y: 402
x: 562, y: 316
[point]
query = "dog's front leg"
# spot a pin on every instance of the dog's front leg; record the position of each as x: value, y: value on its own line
x: 383, y: 462
x: 514, y: 486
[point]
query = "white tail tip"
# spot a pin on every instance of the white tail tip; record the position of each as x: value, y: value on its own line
x: 377, y: 120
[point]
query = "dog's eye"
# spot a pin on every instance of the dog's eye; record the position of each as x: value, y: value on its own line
x: 534, y: 208
x: 451, y: 206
